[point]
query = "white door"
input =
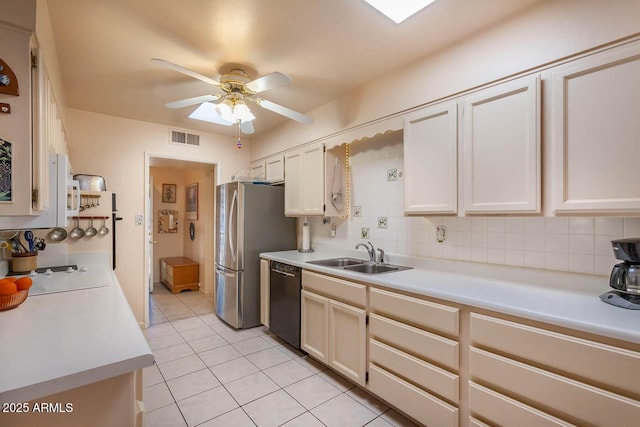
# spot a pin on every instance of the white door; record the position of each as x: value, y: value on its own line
x: 431, y: 160
x: 596, y: 105
x: 347, y: 340
x: 501, y: 139
x: 313, y: 325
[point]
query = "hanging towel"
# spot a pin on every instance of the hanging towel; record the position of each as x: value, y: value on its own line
x: 337, y: 189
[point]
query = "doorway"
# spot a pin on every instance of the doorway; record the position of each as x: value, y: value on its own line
x: 167, y: 180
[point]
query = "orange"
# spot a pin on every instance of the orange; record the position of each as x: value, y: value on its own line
x: 11, y: 279
x: 7, y: 287
x: 24, y: 283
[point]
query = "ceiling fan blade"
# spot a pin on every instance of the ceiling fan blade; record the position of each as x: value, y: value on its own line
x: 191, y: 101
x: 247, y: 128
x: 287, y: 112
x: 186, y: 71
x: 207, y: 112
x: 268, y: 81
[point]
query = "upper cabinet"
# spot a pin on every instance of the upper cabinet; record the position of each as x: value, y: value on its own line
x: 596, y: 130
x: 497, y: 146
x: 15, y: 125
x: 270, y: 169
x: 274, y: 168
x: 430, y: 160
x: 501, y: 164
x: 304, y: 181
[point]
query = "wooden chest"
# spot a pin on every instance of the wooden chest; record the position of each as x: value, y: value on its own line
x: 180, y: 273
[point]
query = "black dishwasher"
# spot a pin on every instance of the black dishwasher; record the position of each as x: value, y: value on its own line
x: 285, y: 286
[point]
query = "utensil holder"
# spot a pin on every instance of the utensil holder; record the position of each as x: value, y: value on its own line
x: 24, y: 262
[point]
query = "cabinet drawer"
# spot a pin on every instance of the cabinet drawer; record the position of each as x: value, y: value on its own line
x: 569, y: 398
x: 430, y: 377
x: 417, y: 403
x: 476, y: 423
x: 502, y: 410
x: 425, y: 313
x: 343, y: 290
x: 432, y: 347
x: 598, y: 362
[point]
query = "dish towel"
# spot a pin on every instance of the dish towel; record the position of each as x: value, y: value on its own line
x: 337, y: 189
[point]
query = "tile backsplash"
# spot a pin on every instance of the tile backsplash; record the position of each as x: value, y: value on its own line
x: 575, y: 244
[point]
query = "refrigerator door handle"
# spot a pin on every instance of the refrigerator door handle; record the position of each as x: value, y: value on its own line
x: 231, y: 225
x: 224, y: 273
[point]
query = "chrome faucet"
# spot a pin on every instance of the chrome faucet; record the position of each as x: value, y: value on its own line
x: 375, y: 255
x: 370, y: 250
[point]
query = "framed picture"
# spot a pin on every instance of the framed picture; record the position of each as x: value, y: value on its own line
x: 191, y: 209
x: 168, y: 193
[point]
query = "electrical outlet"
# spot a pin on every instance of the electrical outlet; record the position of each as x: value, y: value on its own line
x: 139, y: 219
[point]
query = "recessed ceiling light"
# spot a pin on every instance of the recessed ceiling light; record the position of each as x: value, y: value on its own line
x: 399, y: 10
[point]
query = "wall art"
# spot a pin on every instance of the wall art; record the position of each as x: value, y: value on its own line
x: 6, y: 172
x: 191, y: 196
x: 168, y: 193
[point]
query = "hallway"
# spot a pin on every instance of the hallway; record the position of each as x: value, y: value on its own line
x: 209, y: 374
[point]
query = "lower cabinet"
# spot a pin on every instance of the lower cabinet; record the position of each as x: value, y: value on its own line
x: 414, y: 356
x: 334, y: 331
x: 526, y: 375
x: 444, y: 364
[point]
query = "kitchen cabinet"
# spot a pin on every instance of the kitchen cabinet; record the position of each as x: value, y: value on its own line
x: 595, y: 132
x: 526, y: 374
x: 490, y: 162
x: 265, y: 282
x: 333, y: 324
x: 179, y: 274
x: 416, y: 339
x: 274, y: 168
x: 501, y: 167
x: 304, y: 181
x: 16, y: 152
x: 257, y: 169
x: 431, y: 160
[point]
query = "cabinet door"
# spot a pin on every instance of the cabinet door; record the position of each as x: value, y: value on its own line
x: 347, y: 340
x: 501, y: 165
x: 264, y: 291
x: 292, y: 184
x: 430, y: 160
x: 258, y: 169
x: 595, y: 133
x: 274, y: 168
x: 312, y: 174
x: 314, y: 338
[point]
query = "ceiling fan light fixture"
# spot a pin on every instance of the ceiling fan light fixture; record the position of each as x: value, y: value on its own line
x: 242, y: 112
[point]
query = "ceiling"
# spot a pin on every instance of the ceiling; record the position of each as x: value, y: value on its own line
x: 328, y: 47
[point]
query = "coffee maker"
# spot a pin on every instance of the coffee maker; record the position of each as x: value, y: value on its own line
x: 625, y: 277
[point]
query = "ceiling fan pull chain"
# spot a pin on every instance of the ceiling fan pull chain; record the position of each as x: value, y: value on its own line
x: 238, y: 143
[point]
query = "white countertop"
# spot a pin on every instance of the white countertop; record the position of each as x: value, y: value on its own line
x: 59, y: 341
x: 563, y: 299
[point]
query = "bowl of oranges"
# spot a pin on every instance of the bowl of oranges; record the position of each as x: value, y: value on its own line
x: 13, y: 291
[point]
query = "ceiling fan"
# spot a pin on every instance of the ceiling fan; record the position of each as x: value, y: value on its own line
x: 229, y: 107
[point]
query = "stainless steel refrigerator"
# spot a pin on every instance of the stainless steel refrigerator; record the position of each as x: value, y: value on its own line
x: 250, y: 220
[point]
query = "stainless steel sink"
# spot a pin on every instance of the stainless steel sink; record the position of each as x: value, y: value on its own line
x: 338, y: 262
x: 375, y: 268
x: 358, y: 265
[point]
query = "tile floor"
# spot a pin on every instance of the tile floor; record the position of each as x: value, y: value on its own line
x: 209, y: 374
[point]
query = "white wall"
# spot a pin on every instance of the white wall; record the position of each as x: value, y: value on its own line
x: 115, y: 148
x: 545, y: 33
x: 577, y: 244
